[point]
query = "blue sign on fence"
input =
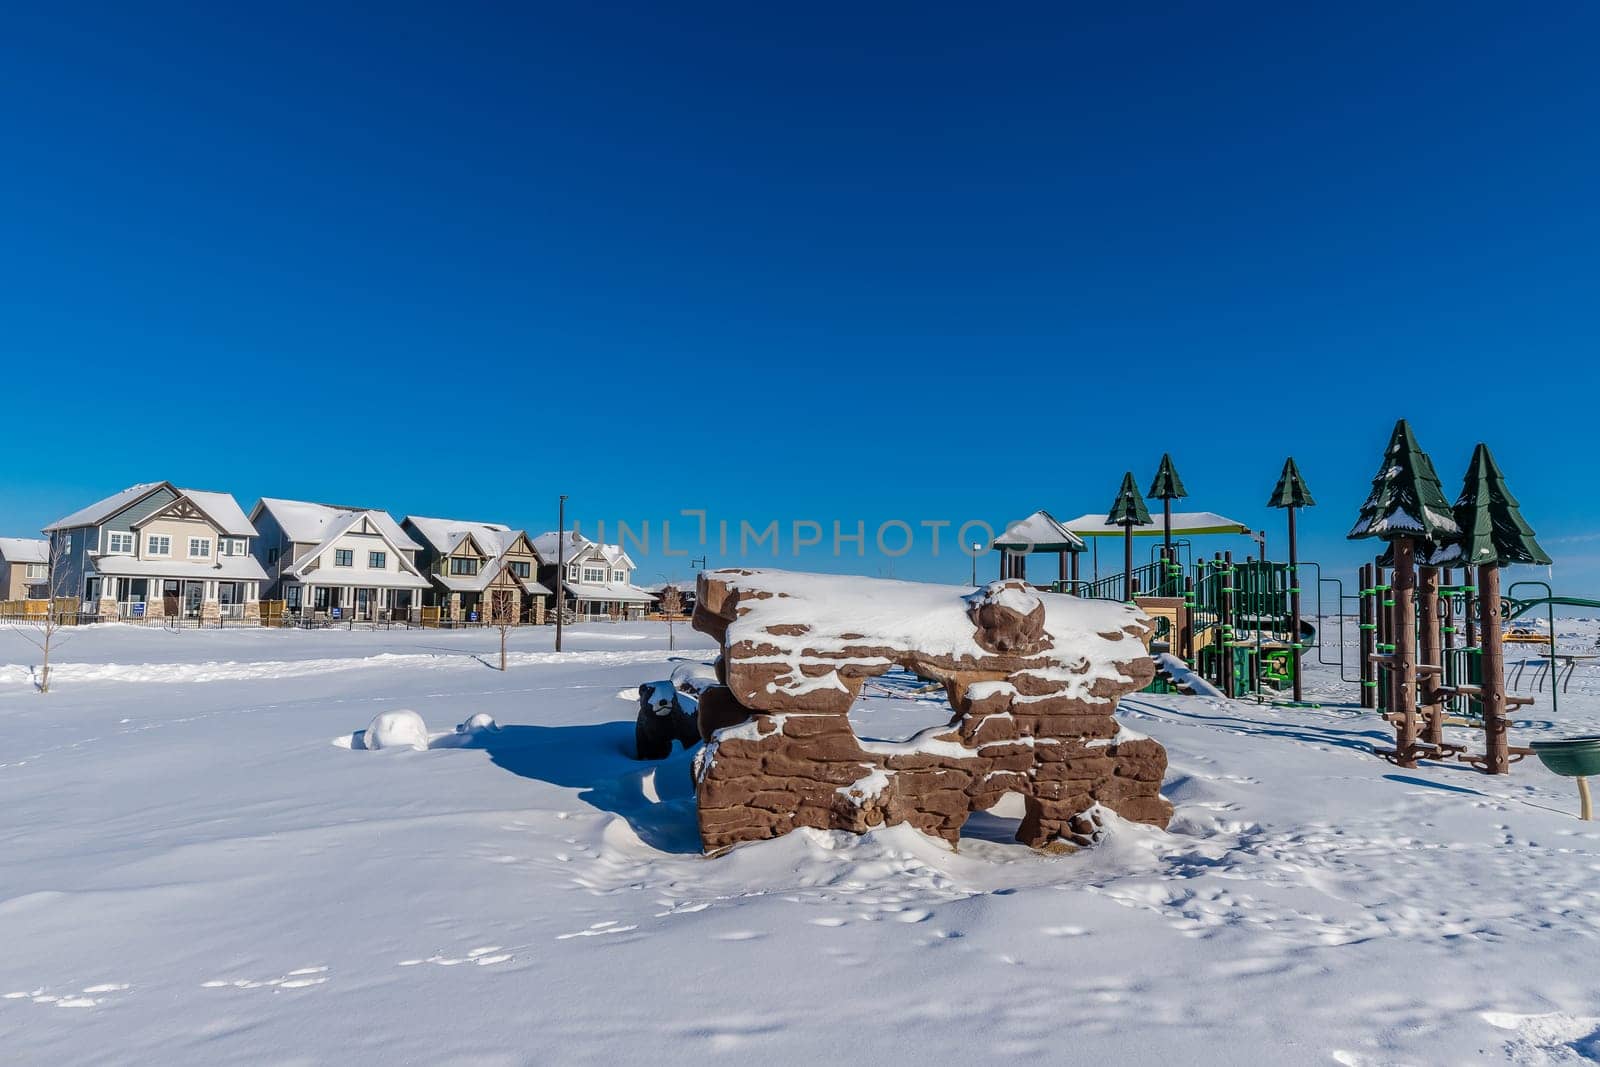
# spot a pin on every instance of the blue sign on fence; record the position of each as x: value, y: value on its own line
x: 472, y: 616
x: 338, y: 613
x: 138, y: 611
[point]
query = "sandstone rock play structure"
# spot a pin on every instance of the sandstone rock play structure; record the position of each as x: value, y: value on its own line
x: 1033, y: 679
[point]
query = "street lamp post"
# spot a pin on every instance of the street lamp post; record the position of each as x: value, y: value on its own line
x: 561, y: 566
x: 976, y: 548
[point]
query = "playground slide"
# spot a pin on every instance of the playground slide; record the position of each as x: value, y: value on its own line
x: 1183, y: 676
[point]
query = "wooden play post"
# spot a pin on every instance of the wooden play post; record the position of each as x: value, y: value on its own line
x: 1431, y: 668
x: 1497, y: 747
x: 1403, y: 667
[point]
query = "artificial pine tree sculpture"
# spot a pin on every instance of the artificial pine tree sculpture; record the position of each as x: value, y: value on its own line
x: 1128, y: 511
x: 1166, y: 488
x: 1493, y: 535
x: 1406, y: 506
x: 1291, y: 493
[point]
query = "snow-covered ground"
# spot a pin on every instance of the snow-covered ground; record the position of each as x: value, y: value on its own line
x: 200, y: 863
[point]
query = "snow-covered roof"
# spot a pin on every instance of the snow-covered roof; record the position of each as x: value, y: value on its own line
x: 220, y: 507
x: 307, y: 523
x: 576, y: 547
x: 548, y: 544
x: 445, y: 535
x: 245, y: 568
x: 24, y: 550
x: 1040, y: 532
x: 101, y: 510
x: 1183, y: 522
x: 617, y: 591
x: 345, y: 577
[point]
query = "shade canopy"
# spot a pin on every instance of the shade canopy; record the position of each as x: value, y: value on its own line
x: 1183, y: 522
x: 1039, y: 532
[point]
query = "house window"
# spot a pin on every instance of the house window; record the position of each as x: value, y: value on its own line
x: 521, y: 568
x: 619, y: 576
x: 463, y: 565
x: 199, y: 548
x: 158, y: 545
x: 119, y: 543
x: 272, y: 556
x: 232, y: 546
x: 572, y: 573
x: 377, y: 560
x: 38, y: 570
x: 344, y: 557
x: 597, y: 575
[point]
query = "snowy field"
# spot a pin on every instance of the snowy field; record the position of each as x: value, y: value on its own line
x: 201, y: 866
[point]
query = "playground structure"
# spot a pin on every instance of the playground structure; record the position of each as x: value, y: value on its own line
x: 1235, y: 623
x: 1433, y: 621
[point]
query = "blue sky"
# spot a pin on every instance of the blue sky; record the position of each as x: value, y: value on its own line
x: 824, y: 262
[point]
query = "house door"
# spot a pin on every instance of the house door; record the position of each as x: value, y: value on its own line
x: 364, y: 603
x: 169, y: 598
x: 193, y: 593
x: 501, y: 606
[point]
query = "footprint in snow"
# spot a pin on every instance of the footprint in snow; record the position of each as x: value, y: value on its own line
x: 483, y: 956
x: 301, y: 978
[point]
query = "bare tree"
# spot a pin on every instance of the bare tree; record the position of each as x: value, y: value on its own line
x: 43, y: 632
x: 671, y: 607
x: 502, y: 616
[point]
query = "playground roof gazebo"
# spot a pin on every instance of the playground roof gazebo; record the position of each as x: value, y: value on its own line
x: 1183, y: 522
x: 1039, y: 533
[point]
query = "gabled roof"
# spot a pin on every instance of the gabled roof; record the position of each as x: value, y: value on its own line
x: 445, y: 535
x: 1039, y: 532
x: 24, y: 550
x: 307, y: 523
x: 223, y: 510
x: 220, y: 508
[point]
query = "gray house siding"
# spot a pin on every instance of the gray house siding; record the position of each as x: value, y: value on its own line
x: 122, y: 521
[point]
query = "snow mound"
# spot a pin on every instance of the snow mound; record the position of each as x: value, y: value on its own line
x: 395, y: 729
x: 481, y: 723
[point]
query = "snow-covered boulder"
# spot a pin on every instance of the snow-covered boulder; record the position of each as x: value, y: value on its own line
x: 395, y: 729
x: 1033, y: 680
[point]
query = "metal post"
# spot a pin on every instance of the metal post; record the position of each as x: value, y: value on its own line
x: 1127, y: 561
x: 561, y: 566
x: 1294, y: 608
x: 1368, y: 626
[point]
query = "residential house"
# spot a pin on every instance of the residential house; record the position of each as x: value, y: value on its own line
x: 478, y: 570
x: 156, y: 551
x: 24, y: 568
x: 337, y: 562
x: 596, y: 582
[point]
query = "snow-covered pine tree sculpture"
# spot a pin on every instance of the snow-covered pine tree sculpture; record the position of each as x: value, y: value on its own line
x: 1166, y: 488
x: 1128, y: 511
x: 1493, y: 535
x: 1406, y: 505
x: 1291, y: 493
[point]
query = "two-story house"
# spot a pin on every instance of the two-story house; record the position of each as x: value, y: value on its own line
x: 479, y: 570
x: 24, y: 568
x: 156, y: 551
x: 597, y: 578
x: 337, y: 562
